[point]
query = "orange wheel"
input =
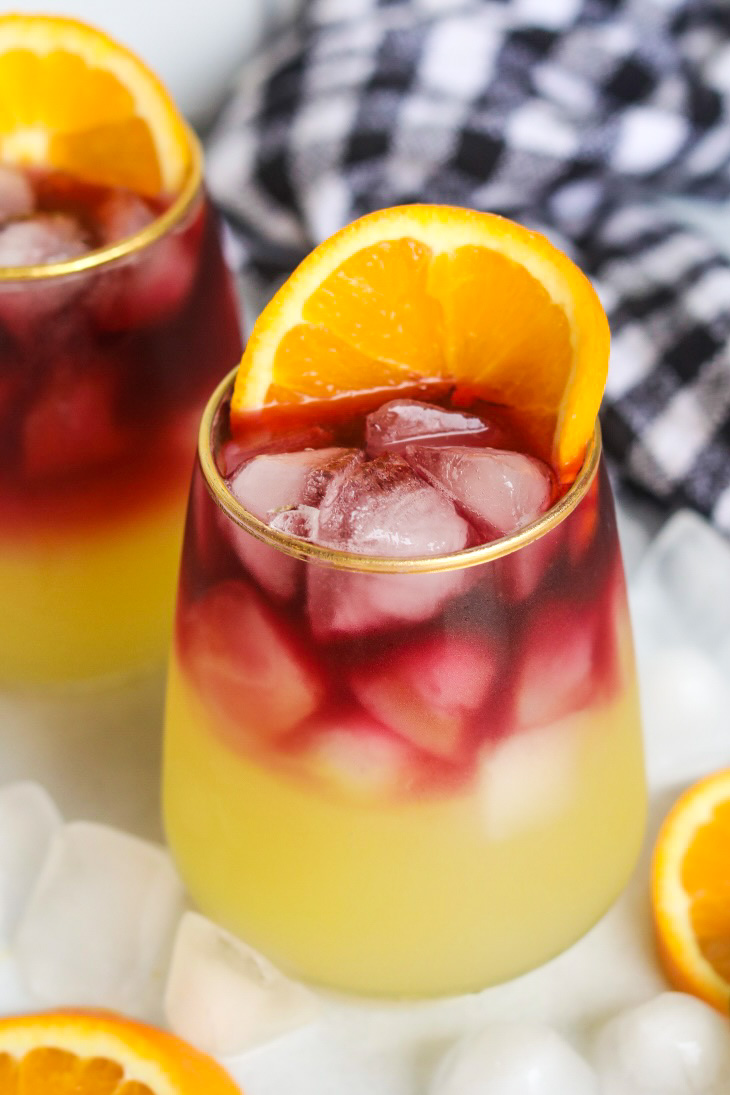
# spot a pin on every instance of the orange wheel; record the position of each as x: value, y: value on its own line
x: 433, y: 292
x: 83, y: 1053
x: 691, y: 891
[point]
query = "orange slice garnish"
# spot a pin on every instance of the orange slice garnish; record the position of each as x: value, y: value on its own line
x: 80, y: 1053
x: 73, y: 99
x: 691, y: 891
x: 433, y: 292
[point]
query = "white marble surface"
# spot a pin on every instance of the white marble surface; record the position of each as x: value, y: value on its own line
x: 98, y: 753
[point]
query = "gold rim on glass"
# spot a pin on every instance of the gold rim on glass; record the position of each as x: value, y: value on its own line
x: 152, y: 232
x: 378, y: 564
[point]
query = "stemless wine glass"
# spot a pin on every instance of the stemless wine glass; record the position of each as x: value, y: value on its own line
x: 403, y: 777
x: 105, y: 363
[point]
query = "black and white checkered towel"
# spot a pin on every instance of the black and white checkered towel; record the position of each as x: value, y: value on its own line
x: 584, y: 118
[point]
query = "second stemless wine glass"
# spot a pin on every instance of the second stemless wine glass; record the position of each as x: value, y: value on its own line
x: 403, y: 777
x: 105, y: 364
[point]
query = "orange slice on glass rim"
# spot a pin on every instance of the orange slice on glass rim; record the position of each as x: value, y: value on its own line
x: 83, y: 1053
x: 429, y: 291
x: 73, y: 99
x: 691, y: 891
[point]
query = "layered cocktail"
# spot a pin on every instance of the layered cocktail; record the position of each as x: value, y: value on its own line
x: 117, y: 315
x: 403, y: 750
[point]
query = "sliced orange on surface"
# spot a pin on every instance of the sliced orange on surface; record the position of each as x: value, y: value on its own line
x: 428, y: 291
x: 83, y: 1053
x: 73, y: 99
x: 691, y: 891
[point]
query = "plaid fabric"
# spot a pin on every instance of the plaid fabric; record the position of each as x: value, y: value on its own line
x: 578, y: 117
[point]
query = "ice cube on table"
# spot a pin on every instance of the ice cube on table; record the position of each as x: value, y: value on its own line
x: 16, y: 194
x: 427, y: 690
x: 500, y: 492
x: 41, y: 239
x: 680, y: 593
x: 635, y: 521
x: 28, y: 821
x: 99, y: 923
x: 224, y: 997
x: 402, y: 421
x: 381, y: 507
x: 672, y: 1045
x: 723, y: 658
x: 514, y: 1059
x: 685, y: 699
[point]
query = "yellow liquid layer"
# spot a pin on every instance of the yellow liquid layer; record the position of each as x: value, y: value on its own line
x: 83, y: 604
x: 408, y: 898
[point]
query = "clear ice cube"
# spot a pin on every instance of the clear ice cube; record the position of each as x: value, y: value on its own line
x: 277, y: 573
x: 680, y: 593
x: 402, y: 421
x: 266, y: 486
x: 514, y: 1059
x: 634, y: 521
x: 41, y: 239
x: 28, y: 821
x: 247, y: 662
x: 99, y: 924
x: 234, y: 452
x: 344, y: 603
x: 271, y: 482
x: 428, y: 690
x: 16, y: 194
x: 556, y: 676
x: 383, y: 508
x: 123, y: 214
x: 527, y: 779
x: 71, y: 424
x: 301, y: 521
x: 226, y: 998
x: 354, y: 754
x: 682, y: 688
x: 150, y: 286
x: 673, y: 1044
x: 525, y: 569
x: 500, y: 492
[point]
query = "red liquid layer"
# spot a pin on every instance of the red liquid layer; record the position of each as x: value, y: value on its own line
x: 103, y: 373
x: 417, y: 672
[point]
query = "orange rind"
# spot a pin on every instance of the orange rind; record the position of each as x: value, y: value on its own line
x: 691, y: 891
x: 86, y: 1053
x: 74, y: 100
x: 437, y: 292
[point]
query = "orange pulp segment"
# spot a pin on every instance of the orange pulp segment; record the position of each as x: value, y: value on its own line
x: 691, y: 891
x: 73, y: 99
x: 84, y: 1053
x: 437, y: 292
